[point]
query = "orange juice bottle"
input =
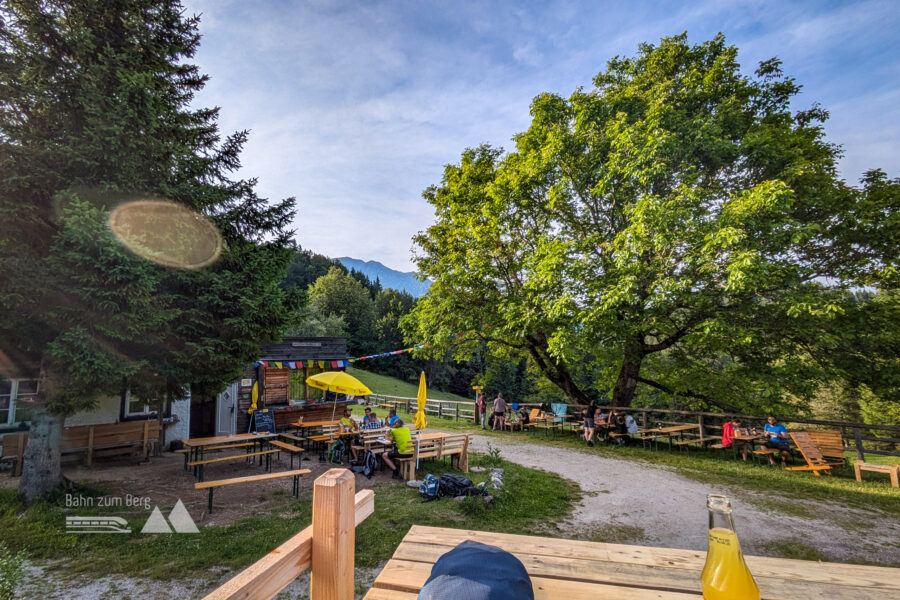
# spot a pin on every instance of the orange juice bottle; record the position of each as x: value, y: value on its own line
x: 725, y: 574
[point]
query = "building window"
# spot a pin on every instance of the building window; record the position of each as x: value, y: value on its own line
x: 135, y: 407
x: 17, y: 398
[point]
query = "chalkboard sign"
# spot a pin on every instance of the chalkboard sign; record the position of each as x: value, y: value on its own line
x: 264, y: 421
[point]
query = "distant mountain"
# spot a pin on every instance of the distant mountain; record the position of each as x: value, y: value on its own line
x: 388, y: 277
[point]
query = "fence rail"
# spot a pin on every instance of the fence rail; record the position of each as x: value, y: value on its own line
x: 327, y: 547
x: 448, y: 409
x: 713, y: 421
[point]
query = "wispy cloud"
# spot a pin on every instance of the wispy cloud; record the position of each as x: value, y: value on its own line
x: 354, y: 108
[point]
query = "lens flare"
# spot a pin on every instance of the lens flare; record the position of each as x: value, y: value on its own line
x: 166, y: 233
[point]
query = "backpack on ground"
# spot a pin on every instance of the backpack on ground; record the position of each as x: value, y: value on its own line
x: 370, y: 464
x: 452, y: 486
x: 337, y: 451
x: 430, y: 488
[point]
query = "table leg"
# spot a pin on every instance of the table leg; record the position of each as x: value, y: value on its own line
x: 210, y: 500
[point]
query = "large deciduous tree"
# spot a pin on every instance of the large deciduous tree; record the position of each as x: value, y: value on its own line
x: 94, y: 112
x: 678, y: 222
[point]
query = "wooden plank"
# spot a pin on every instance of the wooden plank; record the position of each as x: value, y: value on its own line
x: 409, y: 577
x: 90, y: 449
x: 203, y: 485
x: 864, y: 576
x: 210, y: 461
x: 381, y: 594
x: 267, y: 576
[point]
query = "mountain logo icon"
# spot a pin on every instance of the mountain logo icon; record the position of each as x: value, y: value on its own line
x: 180, y: 520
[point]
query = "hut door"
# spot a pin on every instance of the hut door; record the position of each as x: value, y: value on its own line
x: 226, y: 410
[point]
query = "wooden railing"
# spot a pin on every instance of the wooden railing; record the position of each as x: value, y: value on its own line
x: 327, y: 547
x: 447, y: 409
x: 855, y: 434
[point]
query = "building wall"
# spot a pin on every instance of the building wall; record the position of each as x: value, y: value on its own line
x: 180, y: 426
x: 107, y: 411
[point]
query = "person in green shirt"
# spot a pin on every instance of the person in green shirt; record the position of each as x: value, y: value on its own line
x: 347, y: 423
x: 403, y: 447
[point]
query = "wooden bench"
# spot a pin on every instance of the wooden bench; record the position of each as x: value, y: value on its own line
x: 289, y: 448
x: 12, y: 448
x: 199, y: 464
x: 212, y: 485
x: 106, y: 439
x: 456, y: 447
x: 428, y: 448
x: 292, y: 437
x: 819, y: 459
x: 830, y: 444
x: 368, y: 437
x: 228, y: 446
x: 892, y: 470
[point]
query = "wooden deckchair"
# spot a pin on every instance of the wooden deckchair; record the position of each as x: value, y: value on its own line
x: 808, y: 444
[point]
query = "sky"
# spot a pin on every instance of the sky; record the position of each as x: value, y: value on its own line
x: 354, y: 108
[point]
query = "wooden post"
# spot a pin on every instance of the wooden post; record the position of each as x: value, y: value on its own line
x: 457, y: 411
x: 440, y: 408
x: 700, y: 423
x: 146, y: 439
x: 859, y: 446
x: 90, y: 445
x: 305, y: 385
x: 334, y: 536
x: 644, y: 419
x: 20, y: 454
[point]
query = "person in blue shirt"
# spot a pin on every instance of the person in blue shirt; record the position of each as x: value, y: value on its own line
x: 392, y: 418
x: 371, y: 420
x: 777, y: 435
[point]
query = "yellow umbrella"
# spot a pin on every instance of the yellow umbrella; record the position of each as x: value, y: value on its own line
x: 420, y: 420
x: 339, y: 382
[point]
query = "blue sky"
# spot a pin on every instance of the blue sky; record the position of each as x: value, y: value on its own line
x: 354, y: 107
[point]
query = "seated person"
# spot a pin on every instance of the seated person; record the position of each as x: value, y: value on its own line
x: 391, y: 418
x: 617, y: 425
x: 631, y: 425
x: 403, y: 447
x: 600, y: 418
x: 347, y: 423
x: 729, y: 428
x: 371, y: 420
x: 524, y: 416
x: 777, y: 435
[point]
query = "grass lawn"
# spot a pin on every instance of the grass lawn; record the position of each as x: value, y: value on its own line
x: 391, y: 386
x: 530, y: 501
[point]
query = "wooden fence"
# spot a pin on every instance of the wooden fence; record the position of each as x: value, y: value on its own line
x: 327, y: 547
x: 856, y: 435
x: 447, y: 409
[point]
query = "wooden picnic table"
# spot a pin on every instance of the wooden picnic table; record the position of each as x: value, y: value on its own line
x: 197, y: 445
x: 671, y: 431
x: 577, y: 570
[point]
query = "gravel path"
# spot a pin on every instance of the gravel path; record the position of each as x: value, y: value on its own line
x: 636, y: 502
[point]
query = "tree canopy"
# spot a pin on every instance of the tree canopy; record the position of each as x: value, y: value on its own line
x: 678, y: 223
x: 95, y: 112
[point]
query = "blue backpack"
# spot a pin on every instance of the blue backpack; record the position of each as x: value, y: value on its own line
x: 430, y: 488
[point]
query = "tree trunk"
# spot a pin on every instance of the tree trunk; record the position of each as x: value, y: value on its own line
x: 627, y: 381
x: 554, y: 369
x: 40, y: 472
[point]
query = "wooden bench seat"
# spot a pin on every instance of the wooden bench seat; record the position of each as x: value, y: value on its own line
x: 892, y: 470
x: 228, y: 446
x: 291, y: 436
x: 289, y: 448
x: 199, y: 464
x: 212, y: 485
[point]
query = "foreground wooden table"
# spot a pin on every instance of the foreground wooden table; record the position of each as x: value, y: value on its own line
x: 574, y: 570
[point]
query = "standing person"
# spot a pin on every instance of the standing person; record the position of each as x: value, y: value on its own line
x: 587, y: 416
x: 778, y: 440
x: 481, y: 410
x: 499, y: 412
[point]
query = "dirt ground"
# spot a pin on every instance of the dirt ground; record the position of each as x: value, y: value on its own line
x: 624, y: 501
x: 636, y: 502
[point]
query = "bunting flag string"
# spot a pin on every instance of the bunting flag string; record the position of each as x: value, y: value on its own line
x: 299, y: 364
x: 392, y: 353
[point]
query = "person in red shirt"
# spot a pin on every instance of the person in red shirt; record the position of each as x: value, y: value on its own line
x: 728, y: 431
